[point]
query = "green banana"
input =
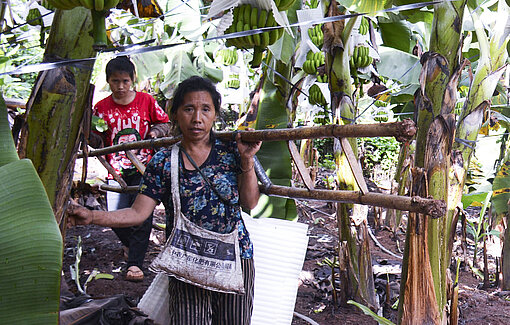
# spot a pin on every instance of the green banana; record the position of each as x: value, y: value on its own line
x: 34, y: 17
x: 254, y: 15
x: 236, y: 13
x: 249, y: 38
x: 256, y: 38
x: 246, y: 13
x: 257, y: 56
x: 285, y: 4
x: 108, y: 4
x: 262, y: 18
x: 270, y: 20
x: 99, y: 5
x: 47, y: 5
x: 381, y: 116
x: 265, y: 39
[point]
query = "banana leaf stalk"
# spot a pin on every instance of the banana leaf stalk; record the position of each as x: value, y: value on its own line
x: 50, y: 136
x: 491, y: 66
x: 434, y: 102
x: 352, y: 229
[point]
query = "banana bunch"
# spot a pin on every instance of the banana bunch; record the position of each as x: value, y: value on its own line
x: 283, y: 5
x: 322, y: 78
x: 316, y: 35
x: 363, y: 26
x: 34, y: 17
x: 381, y: 116
x: 226, y: 57
x: 233, y: 82
x: 313, y: 61
x: 315, y: 96
x: 380, y: 103
x: 248, y: 18
x: 360, y: 57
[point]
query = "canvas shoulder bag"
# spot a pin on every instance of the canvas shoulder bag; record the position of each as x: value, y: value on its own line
x: 195, y: 255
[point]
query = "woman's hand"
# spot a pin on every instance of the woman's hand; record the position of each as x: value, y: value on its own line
x: 247, y: 150
x: 78, y: 215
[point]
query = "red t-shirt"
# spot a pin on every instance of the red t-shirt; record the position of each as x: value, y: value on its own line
x: 127, y: 123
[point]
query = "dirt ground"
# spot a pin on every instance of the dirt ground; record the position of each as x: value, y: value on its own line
x: 102, y: 251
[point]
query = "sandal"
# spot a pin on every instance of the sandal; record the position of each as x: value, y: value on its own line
x: 134, y: 274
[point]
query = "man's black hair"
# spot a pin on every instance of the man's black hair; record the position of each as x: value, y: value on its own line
x: 120, y: 64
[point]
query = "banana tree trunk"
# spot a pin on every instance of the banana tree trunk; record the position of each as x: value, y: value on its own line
x: 56, y: 106
x: 447, y: 160
x: 436, y: 131
x: 352, y: 228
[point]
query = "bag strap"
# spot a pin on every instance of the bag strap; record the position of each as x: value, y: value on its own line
x: 207, y: 180
x: 174, y: 176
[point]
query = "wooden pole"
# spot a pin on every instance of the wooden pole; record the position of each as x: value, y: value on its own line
x: 431, y: 207
x: 400, y: 130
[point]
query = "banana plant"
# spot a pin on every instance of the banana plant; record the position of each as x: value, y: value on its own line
x: 30, y: 241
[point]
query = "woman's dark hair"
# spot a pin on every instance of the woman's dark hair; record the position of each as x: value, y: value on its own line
x: 192, y: 84
x: 120, y: 64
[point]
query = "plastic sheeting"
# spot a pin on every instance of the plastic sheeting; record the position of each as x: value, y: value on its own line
x: 279, y: 253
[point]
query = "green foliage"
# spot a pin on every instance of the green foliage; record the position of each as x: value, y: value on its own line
x: 30, y: 244
x: 381, y: 320
x: 382, y: 151
x: 98, y: 124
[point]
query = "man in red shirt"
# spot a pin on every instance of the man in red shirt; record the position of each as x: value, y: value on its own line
x: 130, y: 116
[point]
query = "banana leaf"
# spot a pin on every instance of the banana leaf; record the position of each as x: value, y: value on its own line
x: 274, y: 156
x: 30, y: 240
x: 368, y: 6
x: 501, y: 189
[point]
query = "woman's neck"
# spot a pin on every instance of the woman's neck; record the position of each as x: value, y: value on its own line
x: 199, y: 151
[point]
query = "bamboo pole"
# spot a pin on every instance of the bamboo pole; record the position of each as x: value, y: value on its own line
x: 400, y: 130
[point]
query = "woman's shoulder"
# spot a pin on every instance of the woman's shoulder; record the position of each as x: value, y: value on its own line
x: 161, y: 155
x: 224, y: 145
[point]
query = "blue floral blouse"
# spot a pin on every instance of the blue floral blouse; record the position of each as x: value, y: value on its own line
x: 198, y: 201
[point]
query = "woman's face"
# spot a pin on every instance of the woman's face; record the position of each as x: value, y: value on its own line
x: 120, y: 84
x: 196, y: 116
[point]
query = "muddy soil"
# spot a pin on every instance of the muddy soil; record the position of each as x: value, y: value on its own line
x: 315, y: 299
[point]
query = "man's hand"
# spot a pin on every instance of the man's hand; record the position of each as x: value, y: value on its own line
x: 78, y: 215
x: 158, y: 131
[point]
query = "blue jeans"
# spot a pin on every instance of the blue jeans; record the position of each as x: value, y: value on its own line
x: 136, y: 238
